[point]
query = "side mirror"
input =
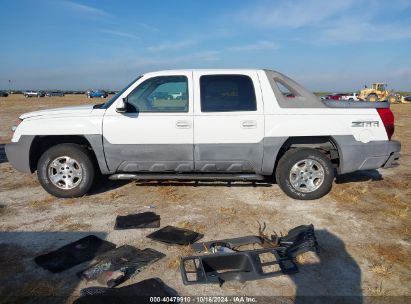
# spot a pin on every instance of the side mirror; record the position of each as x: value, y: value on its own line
x: 122, y: 106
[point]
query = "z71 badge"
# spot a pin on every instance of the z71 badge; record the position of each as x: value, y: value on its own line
x: 365, y: 124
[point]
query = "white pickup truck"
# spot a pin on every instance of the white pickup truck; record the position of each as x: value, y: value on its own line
x: 225, y: 125
x: 351, y: 97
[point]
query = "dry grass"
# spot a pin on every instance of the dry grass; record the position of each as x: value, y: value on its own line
x: 171, y: 193
x: 269, y: 194
x: 397, y: 212
x: 42, y: 204
x: 406, y: 231
x: 61, y: 219
x: 182, y: 251
x: 195, y: 226
x: 77, y: 227
x: 174, y: 263
x: 381, y: 269
x: 393, y: 199
x: 344, y: 194
x: 377, y: 290
x: 301, y: 259
x: 378, y: 199
x: 228, y: 211
x: 18, y: 182
x: 185, y: 250
x: 64, y: 222
x: 69, y: 201
x: 393, y: 254
x: 111, y: 196
x: 308, y: 258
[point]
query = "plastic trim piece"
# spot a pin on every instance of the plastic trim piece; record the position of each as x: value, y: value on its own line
x: 226, y: 263
x: 229, y: 243
x: 242, y: 266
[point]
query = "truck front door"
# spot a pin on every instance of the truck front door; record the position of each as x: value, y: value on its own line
x: 156, y: 132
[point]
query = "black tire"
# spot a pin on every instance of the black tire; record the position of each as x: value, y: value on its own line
x: 293, y: 157
x: 84, y: 163
x: 392, y: 99
x: 372, y: 98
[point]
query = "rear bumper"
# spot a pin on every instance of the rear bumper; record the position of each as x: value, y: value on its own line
x: 392, y: 160
x: 18, y: 154
x: 366, y: 156
x: 391, y: 154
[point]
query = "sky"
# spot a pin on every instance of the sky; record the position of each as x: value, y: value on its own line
x: 326, y: 45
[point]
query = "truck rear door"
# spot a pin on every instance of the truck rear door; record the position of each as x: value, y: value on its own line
x: 228, y: 121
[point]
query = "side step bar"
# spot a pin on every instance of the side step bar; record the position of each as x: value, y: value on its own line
x: 192, y: 176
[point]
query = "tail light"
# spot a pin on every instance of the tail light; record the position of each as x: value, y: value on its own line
x: 387, y: 118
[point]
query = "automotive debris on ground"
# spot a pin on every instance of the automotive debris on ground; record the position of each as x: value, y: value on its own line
x: 140, y: 220
x: 174, y: 235
x: 120, y: 264
x: 134, y: 293
x: 74, y: 253
x: 227, y: 262
x: 222, y: 260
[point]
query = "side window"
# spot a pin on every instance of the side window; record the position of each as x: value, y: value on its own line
x: 285, y: 89
x: 227, y: 93
x: 160, y: 94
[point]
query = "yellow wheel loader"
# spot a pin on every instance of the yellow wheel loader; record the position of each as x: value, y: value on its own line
x: 378, y: 92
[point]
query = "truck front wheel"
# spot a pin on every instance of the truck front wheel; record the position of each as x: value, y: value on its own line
x: 66, y: 170
x: 305, y: 174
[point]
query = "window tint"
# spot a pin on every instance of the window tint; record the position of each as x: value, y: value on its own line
x: 227, y: 93
x: 161, y: 94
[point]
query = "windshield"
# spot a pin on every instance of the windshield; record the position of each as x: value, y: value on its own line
x: 112, y: 99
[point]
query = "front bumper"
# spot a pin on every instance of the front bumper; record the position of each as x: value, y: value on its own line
x: 18, y: 153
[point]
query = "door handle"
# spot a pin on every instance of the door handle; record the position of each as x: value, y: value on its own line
x: 183, y: 124
x: 249, y: 124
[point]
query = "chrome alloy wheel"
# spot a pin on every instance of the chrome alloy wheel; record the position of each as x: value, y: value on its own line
x: 65, y: 172
x: 307, y: 175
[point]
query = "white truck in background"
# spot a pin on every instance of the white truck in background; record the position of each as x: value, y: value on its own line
x: 227, y: 125
x: 350, y: 97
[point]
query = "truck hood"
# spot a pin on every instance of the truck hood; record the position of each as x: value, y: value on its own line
x: 66, y: 111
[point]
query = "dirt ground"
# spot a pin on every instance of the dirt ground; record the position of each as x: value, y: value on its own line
x: 363, y: 226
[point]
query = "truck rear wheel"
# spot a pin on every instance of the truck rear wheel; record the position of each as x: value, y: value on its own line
x: 66, y: 170
x: 304, y: 174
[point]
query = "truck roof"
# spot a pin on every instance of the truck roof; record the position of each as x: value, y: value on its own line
x: 209, y: 70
